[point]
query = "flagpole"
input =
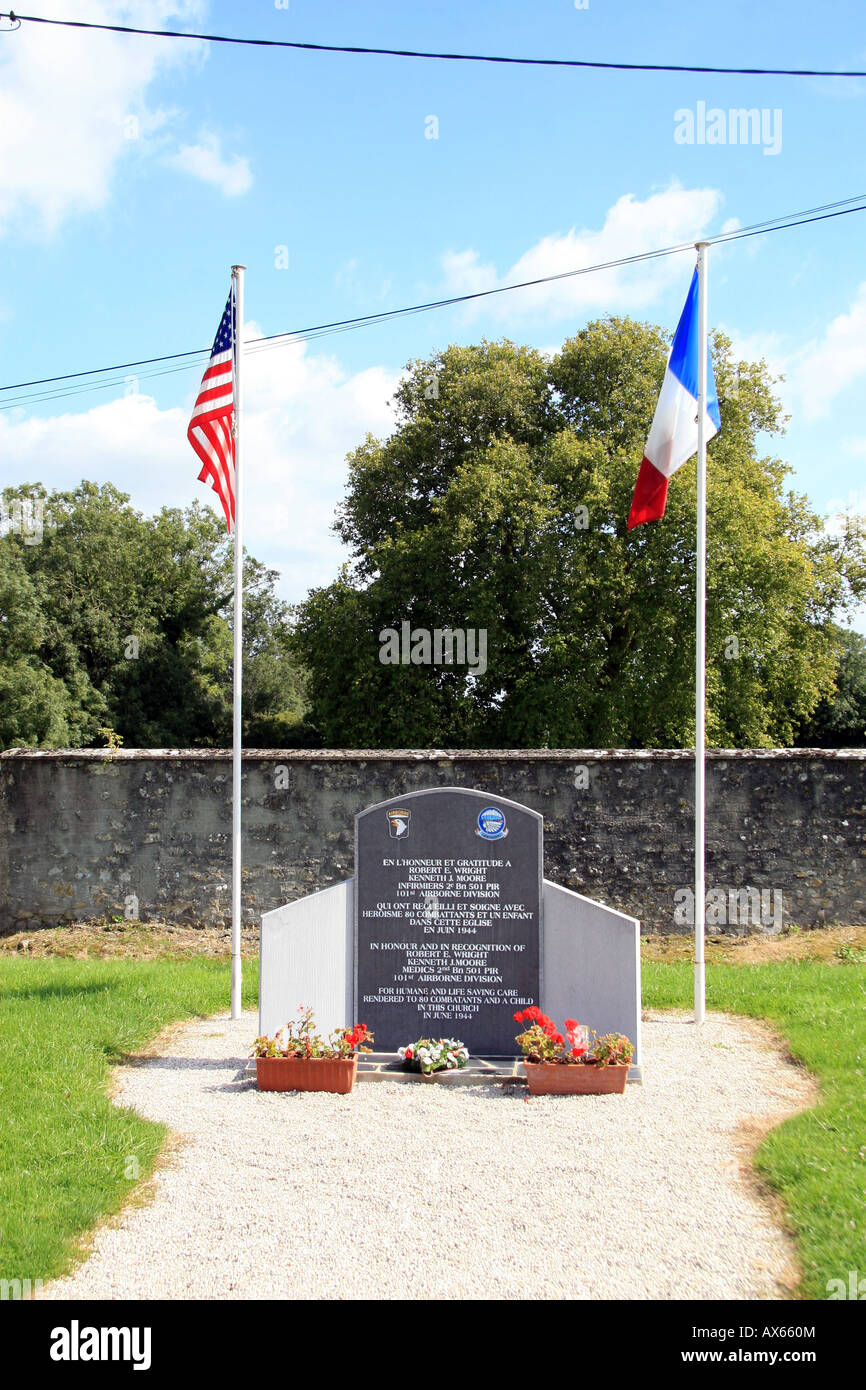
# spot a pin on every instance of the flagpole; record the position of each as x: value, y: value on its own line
x: 700, y: 643
x: 237, y: 720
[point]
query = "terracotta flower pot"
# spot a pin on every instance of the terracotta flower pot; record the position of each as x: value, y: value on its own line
x: 336, y: 1074
x: 584, y: 1079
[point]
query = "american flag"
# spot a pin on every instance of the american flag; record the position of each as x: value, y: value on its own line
x: 210, y: 429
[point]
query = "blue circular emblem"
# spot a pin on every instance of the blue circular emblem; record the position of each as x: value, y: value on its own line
x: 491, y: 824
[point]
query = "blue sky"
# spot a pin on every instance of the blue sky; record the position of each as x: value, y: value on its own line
x: 134, y: 171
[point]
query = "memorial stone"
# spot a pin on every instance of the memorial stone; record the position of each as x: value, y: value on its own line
x: 447, y: 929
x: 448, y: 904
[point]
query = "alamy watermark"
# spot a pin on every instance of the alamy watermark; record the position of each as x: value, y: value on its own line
x: 733, y: 907
x: 737, y: 126
x: 77, y: 1343
x: 444, y: 646
x: 855, y: 1287
x: 23, y: 517
x: 16, y: 1289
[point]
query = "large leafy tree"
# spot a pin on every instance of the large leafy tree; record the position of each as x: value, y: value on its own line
x: 840, y: 719
x: 36, y: 705
x: 115, y: 620
x: 500, y: 503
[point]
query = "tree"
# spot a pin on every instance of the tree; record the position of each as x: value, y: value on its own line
x: 500, y: 503
x: 36, y: 707
x: 129, y: 627
x: 840, y: 719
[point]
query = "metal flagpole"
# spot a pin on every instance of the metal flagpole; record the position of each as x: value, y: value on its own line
x: 237, y: 721
x: 700, y: 642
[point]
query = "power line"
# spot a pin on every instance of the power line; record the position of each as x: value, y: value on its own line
x: 338, y: 325
x: 742, y: 233
x: 824, y: 212
x: 95, y: 371
x: 84, y: 388
x: 735, y: 234
x: 357, y: 49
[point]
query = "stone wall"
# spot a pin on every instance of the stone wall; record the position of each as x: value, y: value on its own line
x: 93, y: 833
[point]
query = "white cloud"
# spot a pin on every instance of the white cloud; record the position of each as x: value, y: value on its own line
x: 121, y: 441
x: 74, y: 104
x: 346, y: 277
x: 768, y: 347
x: 302, y: 416
x: 842, y: 88
x: 826, y: 367
x: 205, y: 161
x: 817, y: 372
x: 752, y: 347
x: 667, y: 218
x: 466, y: 274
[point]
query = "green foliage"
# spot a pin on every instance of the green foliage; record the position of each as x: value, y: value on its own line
x: 114, y: 620
x: 300, y: 1039
x: 840, y: 719
x: 500, y: 503
x: 612, y: 1049
x: 37, y: 706
x: 850, y: 955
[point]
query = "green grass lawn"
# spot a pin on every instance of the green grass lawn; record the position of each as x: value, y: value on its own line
x: 816, y: 1161
x: 68, y: 1157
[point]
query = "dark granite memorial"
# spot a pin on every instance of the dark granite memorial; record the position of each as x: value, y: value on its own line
x: 448, y: 908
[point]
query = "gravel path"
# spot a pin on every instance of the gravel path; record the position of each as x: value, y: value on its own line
x: 471, y: 1192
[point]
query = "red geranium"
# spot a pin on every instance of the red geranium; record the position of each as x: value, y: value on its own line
x: 542, y: 1042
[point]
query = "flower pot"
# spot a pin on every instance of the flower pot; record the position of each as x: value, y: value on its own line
x: 580, y: 1079
x: 336, y: 1074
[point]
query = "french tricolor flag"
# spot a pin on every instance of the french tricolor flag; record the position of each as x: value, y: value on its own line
x: 674, y: 434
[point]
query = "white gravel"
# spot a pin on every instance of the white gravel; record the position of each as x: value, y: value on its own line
x: 466, y: 1192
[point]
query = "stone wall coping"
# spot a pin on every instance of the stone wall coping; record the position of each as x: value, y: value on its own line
x: 428, y: 755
